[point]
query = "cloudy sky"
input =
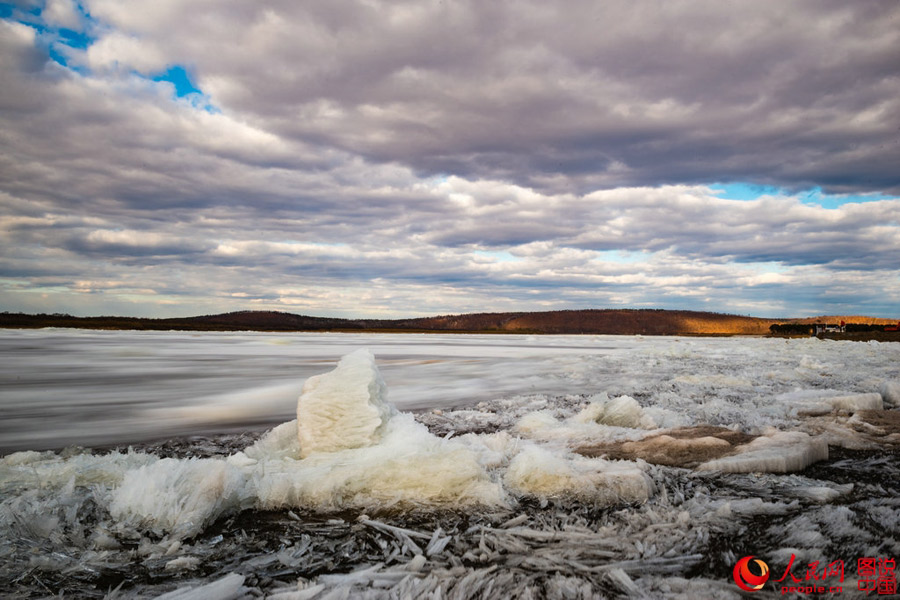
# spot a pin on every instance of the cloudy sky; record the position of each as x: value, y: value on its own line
x: 402, y: 158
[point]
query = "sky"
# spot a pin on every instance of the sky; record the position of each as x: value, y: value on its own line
x: 375, y: 158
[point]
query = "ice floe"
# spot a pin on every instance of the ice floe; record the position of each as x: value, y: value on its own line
x: 778, y: 452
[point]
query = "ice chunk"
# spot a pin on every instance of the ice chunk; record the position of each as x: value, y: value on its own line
x: 537, y: 422
x: 807, y: 403
x: 780, y: 452
x: 856, y: 402
x: 229, y: 587
x: 27, y: 457
x: 821, y: 494
x: 280, y: 442
x: 346, y: 408
x: 44, y: 469
x: 623, y: 411
x: 890, y: 391
x: 542, y: 472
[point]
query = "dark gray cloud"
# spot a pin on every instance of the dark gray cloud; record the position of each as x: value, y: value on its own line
x: 575, y: 95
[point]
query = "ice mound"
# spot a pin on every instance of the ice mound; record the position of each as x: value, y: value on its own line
x: 777, y: 452
x: 343, y: 409
x: 541, y: 472
x: 623, y: 411
x: 603, y: 419
x: 537, y: 423
x: 409, y: 466
x: 348, y: 449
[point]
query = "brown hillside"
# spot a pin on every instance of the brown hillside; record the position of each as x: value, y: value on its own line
x: 847, y: 319
x: 607, y: 321
x: 621, y: 322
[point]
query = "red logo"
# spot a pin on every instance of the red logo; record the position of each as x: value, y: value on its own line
x: 745, y: 579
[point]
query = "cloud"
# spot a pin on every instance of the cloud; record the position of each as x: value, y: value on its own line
x: 63, y: 13
x: 374, y: 158
x: 570, y: 96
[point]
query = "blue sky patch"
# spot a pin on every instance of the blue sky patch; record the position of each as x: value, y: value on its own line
x: 497, y: 255
x: 75, y: 39
x: 745, y: 191
x: 814, y: 196
x: 54, y: 39
x: 817, y: 197
x: 179, y: 77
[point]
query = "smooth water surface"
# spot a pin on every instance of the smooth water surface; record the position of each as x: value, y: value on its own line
x: 61, y: 387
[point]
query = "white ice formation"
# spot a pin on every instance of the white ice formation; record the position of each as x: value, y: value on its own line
x: 856, y: 402
x: 623, y: 411
x: 350, y: 448
x: 890, y: 391
x: 778, y: 452
x: 346, y: 408
x: 62, y: 514
x: 540, y: 472
x: 179, y: 496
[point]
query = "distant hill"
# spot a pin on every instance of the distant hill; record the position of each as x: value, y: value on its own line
x: 598, y: 321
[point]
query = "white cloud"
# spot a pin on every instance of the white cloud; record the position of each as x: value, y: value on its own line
x: 63, y: 13
x: 125, y: 53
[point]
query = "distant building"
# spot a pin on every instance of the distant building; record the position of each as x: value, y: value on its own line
x: 820, y: 328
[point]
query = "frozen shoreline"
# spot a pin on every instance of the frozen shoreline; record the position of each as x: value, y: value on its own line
x: 682, y: 543
x: 86, y: 521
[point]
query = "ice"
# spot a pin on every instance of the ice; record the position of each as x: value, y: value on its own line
x: 343, y: 409
x: 778, y: 452
x: 857, y: 402
x: 493, y: 495
x: 30, y: 470
x: 582, y: 428
x: 623, y: 411
x: 229, y: 587
x: 890, y: 391
x: 544, y: 473
x: 409, y: 466
x: 537, y: 423
x: 179, y: 496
